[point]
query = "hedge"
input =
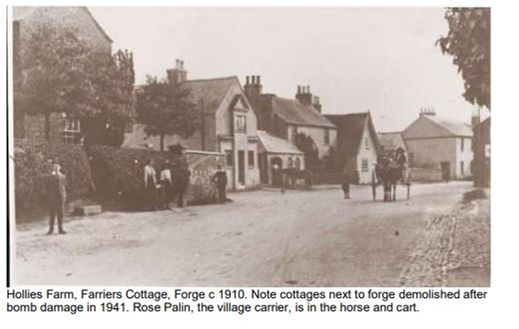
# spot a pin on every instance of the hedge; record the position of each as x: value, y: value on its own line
x: 33, y: 162
x: 118, y: 173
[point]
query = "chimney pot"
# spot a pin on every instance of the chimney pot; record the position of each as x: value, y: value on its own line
x: 259, y: 79
x: 247, y: 80
x: 307, y: 89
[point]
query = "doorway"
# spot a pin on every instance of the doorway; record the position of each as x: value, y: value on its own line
x: 241, y: 167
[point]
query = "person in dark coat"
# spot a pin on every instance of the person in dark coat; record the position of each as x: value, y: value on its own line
x: 346, y: 183
x: 166, y: 184
x: 220, y: 179
x: 57, y: 196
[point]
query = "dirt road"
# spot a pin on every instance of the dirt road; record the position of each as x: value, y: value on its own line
x: 263, y: 238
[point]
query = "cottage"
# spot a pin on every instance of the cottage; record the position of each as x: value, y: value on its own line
x: 357, y: 145
x: 436, y: 143
x: 228, y: 125
x: 26, y: 20
x: 390, y: 142
x: 277, y: 153
x: 285, y: 118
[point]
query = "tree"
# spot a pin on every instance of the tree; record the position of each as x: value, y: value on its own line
x: 306, y: 144
x: 166, y: 109
x: 468, y: 42
x: 111, y: 103
x: 61, y: 74
x: 51, y: 73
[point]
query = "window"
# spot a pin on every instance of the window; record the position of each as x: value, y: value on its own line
x: 462, y: 168
x: 365, y: 166
x: 366, y: 143
x: 290, y: 163
x: 71, y: 132
x: 241, y: 125
x: 228, y: 158
x: 326, y: 136
x: 250, y: 158
x: 462, y: 144
x: 298, y: 164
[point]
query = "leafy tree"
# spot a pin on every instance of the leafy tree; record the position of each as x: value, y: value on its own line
x: 468, y: 42
x: 60, y: 74
x: 51, y: 73
x: 166, y: 109
x: 111, y: 102
x: 307, y: 145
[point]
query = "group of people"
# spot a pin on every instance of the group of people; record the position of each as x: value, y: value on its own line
x: 162, y: 189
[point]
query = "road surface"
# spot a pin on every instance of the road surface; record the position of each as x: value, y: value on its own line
x: 262, y: 238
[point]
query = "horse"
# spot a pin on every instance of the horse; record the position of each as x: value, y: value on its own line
x: 292, y: 175
x: 389, y: 172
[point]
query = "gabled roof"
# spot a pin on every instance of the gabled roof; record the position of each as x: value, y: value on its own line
x: 430, y: 126
x: 211, y: 91
x: 273, y: 144
x: 455, y: 128
x: 392, y: 141
x: 21, y: 13
x: 350, y: 128
x: 294, y: 112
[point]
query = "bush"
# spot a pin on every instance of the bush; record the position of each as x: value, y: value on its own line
x: 118, y: 173
x: 33, y: 162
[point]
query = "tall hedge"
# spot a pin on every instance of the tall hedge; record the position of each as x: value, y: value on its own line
x: 118, y: 173
x: 33, y: 162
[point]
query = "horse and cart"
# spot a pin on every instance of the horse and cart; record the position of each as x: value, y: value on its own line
x: 389, y: 172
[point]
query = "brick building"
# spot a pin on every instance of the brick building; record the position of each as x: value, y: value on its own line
x: 228, y: 125
x: 26, y: 20
x: 284, y: 117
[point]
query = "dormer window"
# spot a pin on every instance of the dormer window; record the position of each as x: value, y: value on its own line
x: 240, y: 124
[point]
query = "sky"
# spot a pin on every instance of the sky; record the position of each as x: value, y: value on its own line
x: 355, y: 59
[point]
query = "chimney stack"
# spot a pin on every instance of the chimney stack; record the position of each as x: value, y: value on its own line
x: 253, y: 86
x: 317, y: 104
x: 427, y: 111
x: 304, y: 96
x: 178, y: 74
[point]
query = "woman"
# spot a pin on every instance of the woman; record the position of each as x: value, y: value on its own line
x: 150, y: 185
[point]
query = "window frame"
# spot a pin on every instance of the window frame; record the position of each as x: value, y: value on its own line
x: 71, y: 132
x: 364, y: 165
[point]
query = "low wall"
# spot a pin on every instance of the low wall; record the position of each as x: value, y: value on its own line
x: 203, y: 166
x: 425, y: 174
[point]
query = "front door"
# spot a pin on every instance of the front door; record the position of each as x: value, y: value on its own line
x: 241, y: 167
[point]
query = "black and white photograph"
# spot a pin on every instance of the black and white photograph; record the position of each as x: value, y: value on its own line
x: 250, y: 146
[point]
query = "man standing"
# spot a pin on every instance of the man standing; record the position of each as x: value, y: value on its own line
x: 166, y: 183
x: 346, y: 183
x: 57, y: 194
x: 220, y: 179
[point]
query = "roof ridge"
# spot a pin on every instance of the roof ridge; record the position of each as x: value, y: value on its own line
x: 212, y: 79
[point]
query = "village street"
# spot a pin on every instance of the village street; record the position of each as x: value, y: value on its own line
x: 263, y: 238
